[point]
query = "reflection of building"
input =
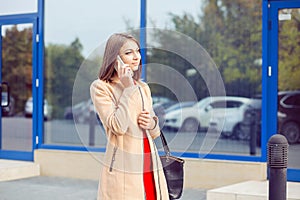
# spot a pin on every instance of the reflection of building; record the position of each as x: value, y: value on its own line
x: 59, y: 145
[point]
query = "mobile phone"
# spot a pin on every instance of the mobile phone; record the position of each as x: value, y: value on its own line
x: 120, y: 60
x: 121, y: 63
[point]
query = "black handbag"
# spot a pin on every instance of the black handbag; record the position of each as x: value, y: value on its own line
x: 173, y: 170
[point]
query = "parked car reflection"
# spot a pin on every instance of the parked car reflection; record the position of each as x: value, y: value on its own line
x: 180, y: 105
x: 80, y: 112
x: 229, y: 121
x: 190, y: 119
x: 288, y: 115
x: 160, y: 99
x: 8, y: 108
x: 28, y: 110
x: 161, y: 109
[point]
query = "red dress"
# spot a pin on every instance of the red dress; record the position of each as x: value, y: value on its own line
x: 149, y: 183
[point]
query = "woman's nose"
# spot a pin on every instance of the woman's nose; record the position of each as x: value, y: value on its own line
x: 136, y: 55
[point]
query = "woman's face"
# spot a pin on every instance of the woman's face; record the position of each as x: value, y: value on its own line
x: 130, y: 54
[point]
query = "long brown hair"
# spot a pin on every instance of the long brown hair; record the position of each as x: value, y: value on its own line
x: 112, y: 49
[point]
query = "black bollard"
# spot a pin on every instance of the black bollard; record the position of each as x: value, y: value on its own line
x: 277, y: 163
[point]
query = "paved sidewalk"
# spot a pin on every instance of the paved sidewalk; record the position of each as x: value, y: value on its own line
x: 46, y: 188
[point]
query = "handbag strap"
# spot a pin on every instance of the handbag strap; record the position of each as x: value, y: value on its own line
x: 162, y: 137
x: 143, y: 103
x: 164, y: 143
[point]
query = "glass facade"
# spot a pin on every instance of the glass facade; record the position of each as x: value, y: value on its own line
x: 207, y: 49
x: 194, y: 51
x: 72, y: 60
x: 288, y: 122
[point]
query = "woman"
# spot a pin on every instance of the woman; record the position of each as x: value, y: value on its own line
x: 132, y: 168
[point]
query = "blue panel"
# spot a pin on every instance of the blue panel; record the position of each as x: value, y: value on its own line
x: 34, y: 76
x: 72, y: 148
x: 16, y: 155
x: 214, y: 156
x: 272, y: 83
x: 293, y: 175
x: 143, y: 37
x: 265, y: 64
x: 17, y: 19
x: 40, y: 73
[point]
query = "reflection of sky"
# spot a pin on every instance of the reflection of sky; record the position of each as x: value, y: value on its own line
x: 17, y: 6
x: 93, y: 21
x: 158, y: 10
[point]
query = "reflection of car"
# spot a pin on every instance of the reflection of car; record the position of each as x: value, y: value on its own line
x: 180, y: 105
x: 29, y: 109
x: 75, y: 110
x: 210, y: 109
x: 160, y: 99
x: 160, y: 108
x: 68, y: 113
x: 80, y: 112
x: 288, y: 115
x: 229, y: 121
x: 7, y: 107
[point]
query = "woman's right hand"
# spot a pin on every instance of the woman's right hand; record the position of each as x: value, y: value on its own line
x: 125, y: 75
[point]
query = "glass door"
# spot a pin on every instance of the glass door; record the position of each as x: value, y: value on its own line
x: 17, y: 44
x: 286, y: 62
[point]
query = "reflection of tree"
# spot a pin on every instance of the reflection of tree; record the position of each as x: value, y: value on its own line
x: 17, y: 64
x: 87, y: 73
x: 230, y: 31
x: 289, y: 51
x: 62, y: 64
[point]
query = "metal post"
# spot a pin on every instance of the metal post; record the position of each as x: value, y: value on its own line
x: 253, y: 133
x: 277, y: 163
x: 249, y: 126
x: 92, y: 129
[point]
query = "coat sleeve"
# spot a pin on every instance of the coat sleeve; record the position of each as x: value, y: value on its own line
x: 113, y: 113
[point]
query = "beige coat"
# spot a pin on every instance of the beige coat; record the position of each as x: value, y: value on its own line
x: 122, y: 173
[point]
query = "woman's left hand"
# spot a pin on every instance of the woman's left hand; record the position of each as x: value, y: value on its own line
x: 145, y: 121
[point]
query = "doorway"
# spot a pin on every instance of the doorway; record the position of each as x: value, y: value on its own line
x: 284, y: 25
x: 17, y: 64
